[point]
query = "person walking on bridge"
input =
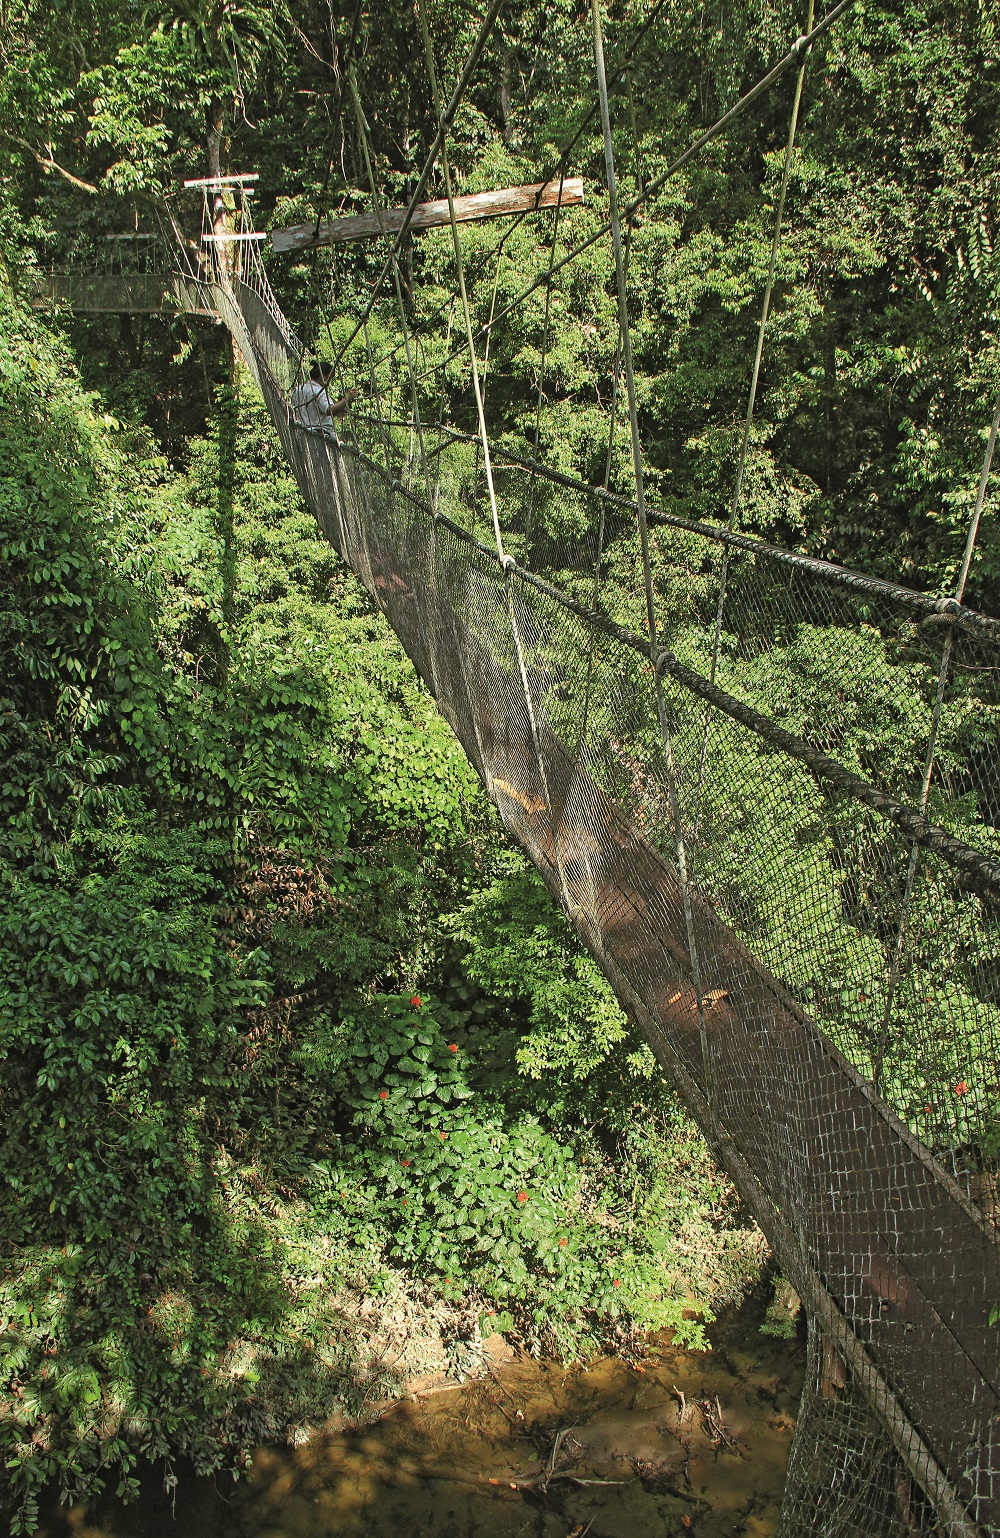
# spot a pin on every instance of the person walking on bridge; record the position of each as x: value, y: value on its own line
x: 311, y: 406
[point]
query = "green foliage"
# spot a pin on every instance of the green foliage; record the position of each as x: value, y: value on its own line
x: 236, y: 837
x: 517, y: 952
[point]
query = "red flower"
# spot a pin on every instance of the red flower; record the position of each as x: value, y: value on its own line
x: 928, y: 1109
x: 383, y: 1094
x: 416, y: 1001
x: 405, y: 1163
x: 563, y: 1243
x: 616, y: 1282
x: 522, y: 1196
x: 442, y: 1136
x: 961, y: 1088
x: 453, y: 1047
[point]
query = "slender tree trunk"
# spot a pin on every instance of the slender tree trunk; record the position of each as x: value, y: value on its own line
x: 506, y: 83
x: 214, y: 124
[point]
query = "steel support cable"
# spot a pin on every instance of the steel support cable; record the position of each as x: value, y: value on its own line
x: 628, y: 375
x: 337, y: 117
x: 445, y: 119
x: 734, y: 511
x: 703, y: 139
x: 981, y: 870
x: 398, y: 288
x: 882, y: 1043
x: 505, y: 560
x: 615, y: 79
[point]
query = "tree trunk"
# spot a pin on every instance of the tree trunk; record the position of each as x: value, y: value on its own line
x: 214, y: 123
x: 506, y: 81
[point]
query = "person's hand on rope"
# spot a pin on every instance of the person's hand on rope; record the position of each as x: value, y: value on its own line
x: 339, y: 407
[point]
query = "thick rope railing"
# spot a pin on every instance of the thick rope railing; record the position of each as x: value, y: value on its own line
x: 948, y: 609
x: 981, y: 870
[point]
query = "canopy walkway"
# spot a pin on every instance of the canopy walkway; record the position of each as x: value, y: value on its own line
x: 806, y: 931
x: 557, y: 708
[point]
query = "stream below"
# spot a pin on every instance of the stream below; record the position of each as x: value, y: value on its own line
x: 680, y: 1443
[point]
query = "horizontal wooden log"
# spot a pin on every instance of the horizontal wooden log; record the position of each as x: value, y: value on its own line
x: 225, y: 181
x: 426, y: 216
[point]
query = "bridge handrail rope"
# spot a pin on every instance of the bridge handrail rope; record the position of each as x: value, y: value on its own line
x: 949, y: 608
x: 980, y: 868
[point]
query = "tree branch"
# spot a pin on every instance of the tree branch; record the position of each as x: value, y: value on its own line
x: 47, y: 162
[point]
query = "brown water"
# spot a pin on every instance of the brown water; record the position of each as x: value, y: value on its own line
x: 683, y: 1443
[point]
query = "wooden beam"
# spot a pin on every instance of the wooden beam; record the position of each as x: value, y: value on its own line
x: 246, y: 235
x: 478, y: 205
x: 225, y: 181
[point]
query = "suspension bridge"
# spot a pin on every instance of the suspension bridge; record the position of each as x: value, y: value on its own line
x: 802, y: 931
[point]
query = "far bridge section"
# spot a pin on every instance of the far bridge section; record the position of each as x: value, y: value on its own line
x: 132, y: 293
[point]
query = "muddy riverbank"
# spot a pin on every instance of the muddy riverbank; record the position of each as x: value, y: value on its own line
x: 678, y: 1443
